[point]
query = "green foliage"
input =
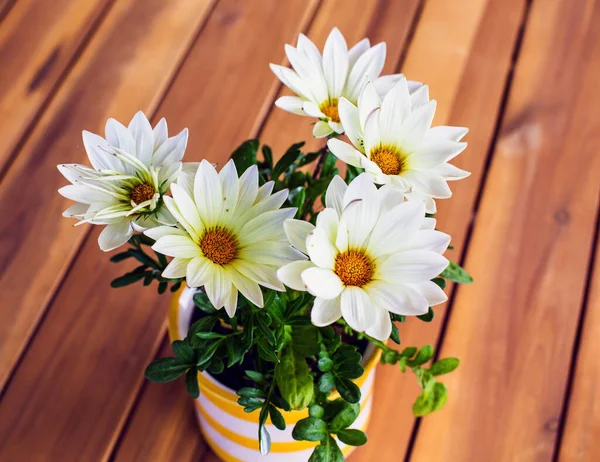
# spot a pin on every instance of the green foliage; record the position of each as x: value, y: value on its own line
x: 293, y: 379
x: 455, y: 273
x: 245, y: 155
x: 352, y: 437
x: 150, y: 269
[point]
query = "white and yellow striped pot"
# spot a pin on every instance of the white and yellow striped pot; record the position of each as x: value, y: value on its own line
x: 231, y: 432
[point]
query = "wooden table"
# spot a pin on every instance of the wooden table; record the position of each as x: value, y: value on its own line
x: 523, y: 75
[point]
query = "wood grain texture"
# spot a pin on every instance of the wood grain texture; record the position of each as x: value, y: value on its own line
x: 483, y: 45
x: 163, y: 426
x: 126, y: 67
x: 32, y: 408
x: 38, y: 41
x: 225, y: 85
x: 582, y: 425
x: 514, y: 329
x: 388, y: 21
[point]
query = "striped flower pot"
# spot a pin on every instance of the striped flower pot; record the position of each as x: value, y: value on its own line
x: 231, y: 432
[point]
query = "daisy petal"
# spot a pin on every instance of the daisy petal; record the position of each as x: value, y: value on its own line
x: 382, y: 327
x: 208, y: 194
x: 322, y: 283
x: 176, y: 269
x: 403, y: 299
x: 412, y: 266
x: 296, y: 232
x: 321, y: 250
x: 291, y: 274
x: 357, y: 309
x: 335, y: 63
x: 344, y: 152
x: 325, y: 312
x: 335, y: 194
x: 177, y: 246
x: 141, y: 131
x: 291, y: 104
x: 431, y: 291
x: 115, y: 235
x: 322, y: 129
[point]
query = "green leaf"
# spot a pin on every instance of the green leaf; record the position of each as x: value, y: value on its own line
x: 444, y: 366
x: 280, y: 402
x: 424, y: 355
x: 201, y: 301
x: 287, y: 160
x: 293, y: 379
x: 409, y: 352
x: 327, y: 382
x: 162, y: 287
x: 265, y: 351
x: 250, y: 402
x: 432, y: 399
x: 264, y: 320
x: 209, y: 335
x: 352, y: 437
x: 349, y: 370
x: 184, y: 352
x: 216, y: 366
x: 305, y: 339
x: 126, y: 279
x: 345, y: 416
x: 327, y: 451
x: 245, y: 155
x: 455, y: 273
x: 256, y: 377
x: 191, y: 382
x: 441, y: 282
x: 165, y: 369
x: 316, y: 411
x: 348, y: 390
x: 120, y: 257
x: 206, y: 355
x: 310, y: 429
x: 325, y: 364
x: 268, y: 155
x: 250, y: 392
x: 276, y: 418
x: 395, y: 334
x: 427, y: 317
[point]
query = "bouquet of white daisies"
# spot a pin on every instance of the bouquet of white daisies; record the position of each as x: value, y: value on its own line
x: 296, y: 268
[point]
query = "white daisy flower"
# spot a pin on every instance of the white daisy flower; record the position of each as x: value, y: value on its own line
x: 370, y: 254
x: 320, y: 82
x: 394, y: 142
x: 229, y: 235
x: 131, y: 171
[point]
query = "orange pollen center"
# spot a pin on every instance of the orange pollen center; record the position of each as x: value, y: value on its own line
x: 354, y: 268
x: 142, y: 192
x: 330, y: 109
x: 387, y: 159
x: 219, y: 245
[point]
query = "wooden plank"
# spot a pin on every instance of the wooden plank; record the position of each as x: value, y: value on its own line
x: 126, y: 67
x: 38, y: 418
x: 379, y: 21
x: 514, y: 329
x: 482, y: 45
x: 582, y: 425
x: 38, y: 42
x: 163, y: 425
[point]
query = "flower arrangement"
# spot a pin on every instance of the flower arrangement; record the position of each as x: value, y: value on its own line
x: 295, y: 270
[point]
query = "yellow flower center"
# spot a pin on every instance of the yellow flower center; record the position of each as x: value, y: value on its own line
x: 219, y: 245
x: 354, y: 268
x: 142, y: 192
x: 388, y: 159
x: 330, y: 109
